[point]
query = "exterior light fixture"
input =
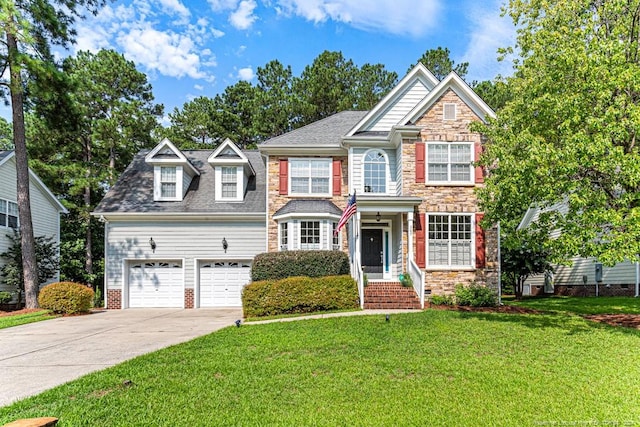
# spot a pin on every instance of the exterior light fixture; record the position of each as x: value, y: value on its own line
x: 152, y: 243
x: 225, y: 245
x: 378, y: 216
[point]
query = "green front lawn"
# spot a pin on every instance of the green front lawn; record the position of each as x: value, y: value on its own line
x: 427, y: 368
x: 581, y: 305
x: 7, y: 321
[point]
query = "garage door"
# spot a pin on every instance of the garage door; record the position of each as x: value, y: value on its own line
x: 221, y: 283
x: 156, y: 284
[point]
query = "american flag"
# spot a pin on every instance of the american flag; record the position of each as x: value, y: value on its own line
x: 348, y: 212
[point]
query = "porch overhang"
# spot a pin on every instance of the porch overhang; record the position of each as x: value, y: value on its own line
x: 384, y: 204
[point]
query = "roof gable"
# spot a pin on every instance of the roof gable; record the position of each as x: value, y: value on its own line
x: 228, y: 153
x: 461, y: 88
x: 398, y: 102
x: 167, y: 153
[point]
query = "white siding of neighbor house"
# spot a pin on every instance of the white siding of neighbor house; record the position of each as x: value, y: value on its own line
x: 177, y: 240
x: 405, y: 103
x: 392, y: 171
x: 623, y: 273
x: 45, y: 215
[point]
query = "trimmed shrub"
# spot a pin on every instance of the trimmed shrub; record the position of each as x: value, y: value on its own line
x: 279, y: 265
x: 475, y: 296
x: 441, y: 300
x: 5, y: 297
x: 299, y: 295
x: 66, y: 298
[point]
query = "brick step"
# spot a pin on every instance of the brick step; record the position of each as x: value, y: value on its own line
x: 390, y: 295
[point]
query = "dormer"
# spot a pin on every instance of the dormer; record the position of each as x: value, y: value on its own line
x: 232, y: 172
x: 172, y: 172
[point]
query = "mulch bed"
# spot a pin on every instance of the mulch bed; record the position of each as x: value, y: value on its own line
x: 16, y: 312
x: 625, y: 320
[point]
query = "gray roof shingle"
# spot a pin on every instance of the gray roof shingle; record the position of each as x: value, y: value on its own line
x: 133, y: 193
x: 326, y: 132
x: 311, y: 206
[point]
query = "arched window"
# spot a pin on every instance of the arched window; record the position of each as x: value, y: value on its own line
x: 375, y: 175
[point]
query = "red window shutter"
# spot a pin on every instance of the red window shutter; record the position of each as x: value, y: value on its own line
x: 479, y: 172
x: 284, y: 177
x: 337, y: 177
x: 480, y: 246
x: 420, y: 166
x: 420, y: 242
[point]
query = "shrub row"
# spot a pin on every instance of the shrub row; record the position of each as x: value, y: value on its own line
x: 279, y: 265
x: 66, y: 298
x: 471, y: 296
x: 299, y: 295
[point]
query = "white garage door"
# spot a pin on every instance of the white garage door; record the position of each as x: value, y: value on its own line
x: 156, y: 284
x: 221, y: 283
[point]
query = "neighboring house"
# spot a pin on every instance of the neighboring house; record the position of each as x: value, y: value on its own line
x: 579, y: 278
x: 45, y: 208
x: 409, y: 161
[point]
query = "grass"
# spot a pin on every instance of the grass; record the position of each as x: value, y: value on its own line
x: 581, y: 305
x: 24, y: 318
x: 435, y: 368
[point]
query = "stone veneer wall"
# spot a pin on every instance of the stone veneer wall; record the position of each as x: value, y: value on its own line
x: 449, y: 199
x: 277, y: 200
x: 114, y: 299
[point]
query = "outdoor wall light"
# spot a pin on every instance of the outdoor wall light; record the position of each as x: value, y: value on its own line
x: 225, y: 245
x: 152, y: 243
x: 378, y: 216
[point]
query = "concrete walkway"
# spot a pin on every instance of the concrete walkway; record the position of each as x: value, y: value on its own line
x: 42, y: 355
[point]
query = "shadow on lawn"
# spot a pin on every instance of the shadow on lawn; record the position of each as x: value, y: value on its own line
x: 573, y: 324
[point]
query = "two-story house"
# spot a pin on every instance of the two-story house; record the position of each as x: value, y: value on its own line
x: 409, y: 161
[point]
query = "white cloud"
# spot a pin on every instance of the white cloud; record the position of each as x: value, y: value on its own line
x: 222, y: 5
x: 490, y: 32
x: 198, y: 87
x: 243, y: 17
x: 415, y: 18
x: 175, y: 7
x: 245, y: 74
x: 168, y: 53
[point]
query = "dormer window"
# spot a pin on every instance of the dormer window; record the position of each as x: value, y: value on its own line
x: 229, y: 182
x: 232, y: 172
x: 172, y: 172
x: 168, y: 182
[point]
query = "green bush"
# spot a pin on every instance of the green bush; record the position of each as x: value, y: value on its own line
x: 66, y: 298
x: 475, y: 296
x: 5, y: 297
x: 279, y: 265
x: 441, y: 300
x: 299, y: 295
x: 406, y: 280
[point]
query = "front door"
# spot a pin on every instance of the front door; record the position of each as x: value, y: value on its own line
x: 372, y: 251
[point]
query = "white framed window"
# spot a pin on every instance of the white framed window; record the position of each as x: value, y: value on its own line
x: 310, y: 177
x: 335, y: 237
x: 450, y: 162
x: 284, y: 236
x: 168, y: 184
x: 449, y: 111
x: 8, y: 214
x: 229, y: 181
x: 310, y: 235
x: 374, y: 163
x: 450, y: 240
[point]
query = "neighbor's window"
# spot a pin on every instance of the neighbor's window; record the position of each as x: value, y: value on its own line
x: 8, y: 214
x: 310, y: 176
x: 449, y: 162
x: 309, y: 234
x: 168, y: 184
x: 450, y: 241
x: 375, y: 176
x: 229, y: 182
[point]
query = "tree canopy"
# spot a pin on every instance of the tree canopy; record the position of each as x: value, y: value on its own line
x: 439, y: 62
x: 568, y: 136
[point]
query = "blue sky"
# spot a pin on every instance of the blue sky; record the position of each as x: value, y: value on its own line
x: 197, y: 48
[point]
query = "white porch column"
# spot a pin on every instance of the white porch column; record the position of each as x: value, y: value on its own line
x: 409, y: 236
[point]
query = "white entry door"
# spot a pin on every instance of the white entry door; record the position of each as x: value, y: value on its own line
x: 221, y: 283
x: 156, y: 284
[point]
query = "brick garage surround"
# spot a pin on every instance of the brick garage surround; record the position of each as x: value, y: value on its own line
x: 188, y: 298
x: 114, y: 299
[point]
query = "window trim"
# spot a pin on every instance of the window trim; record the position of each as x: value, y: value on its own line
x: 472, y: 250
x: 157, y: 178
x: 309, y: 193
x: 448, y: 181
x: 386, y: 170
x: 239, y: 183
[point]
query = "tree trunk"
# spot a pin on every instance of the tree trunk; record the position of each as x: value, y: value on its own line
x: 88, y: 246
x: 518, y: 288
x: 29, y: 264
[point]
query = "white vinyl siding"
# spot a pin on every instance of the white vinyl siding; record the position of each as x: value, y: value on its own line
x: 449, y: 163
x: 450, y: 240
x: 405, y: 103
x: 623, y: 273
x: 310, y: 177
x: 186, y: 240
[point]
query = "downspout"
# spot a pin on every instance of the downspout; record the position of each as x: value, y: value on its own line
x: 106, y: 249
x: 499, y: 268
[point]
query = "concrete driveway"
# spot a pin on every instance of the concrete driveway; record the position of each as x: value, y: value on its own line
x: 42, y: 355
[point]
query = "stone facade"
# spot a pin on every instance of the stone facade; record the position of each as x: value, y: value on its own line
x: 114, y: 299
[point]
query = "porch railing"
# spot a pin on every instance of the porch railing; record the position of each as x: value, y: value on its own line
x: 417, y: 277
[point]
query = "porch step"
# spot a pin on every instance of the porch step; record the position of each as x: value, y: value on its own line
x: 390, y: 295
